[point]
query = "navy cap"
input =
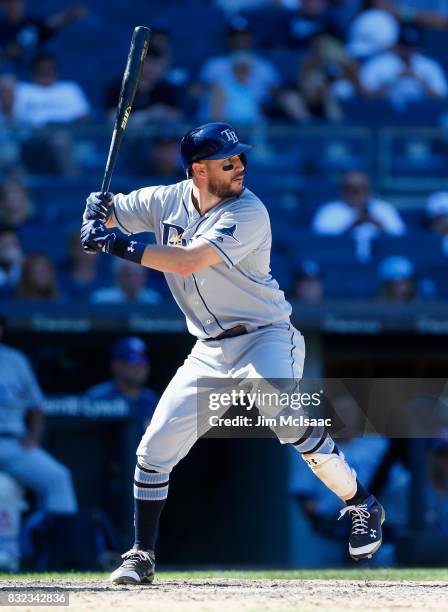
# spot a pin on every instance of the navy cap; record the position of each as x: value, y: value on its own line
x: 396, y: 268
x: 309, y: 269
x: 131, y: 350
x: 238, y: 24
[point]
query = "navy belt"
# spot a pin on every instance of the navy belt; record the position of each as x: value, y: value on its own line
x: 233, y: 332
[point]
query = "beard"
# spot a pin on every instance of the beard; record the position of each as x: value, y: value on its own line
x: 224, y: 190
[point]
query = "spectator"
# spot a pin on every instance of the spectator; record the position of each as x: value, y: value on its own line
x: 21, y: 429
x: 397, y: 275
x: 160, y: 92
x: 234, y: 99
x: 157, y: 157
x: 435, y: 497
x: 7, y: 91
x: 164, y: 157
x: 372, y: 32
x: 342, y: 13
x: 15, y: 204
x: 357, y: 209
x: 21, y: 35
x: 11, y: 259
x: 310, y: 20
x: 160, y: 38
x: 437, y: 212
x: 307, y: 285
x: 43, y: 101
x: 38, y: 279
x: 130, y: 367
x: 80, y: 275
x: 47, y: 99
x: 326, y: 75
x: 235, y: 6
x: 403, y: 74
x: 130, y: 287
x: 426, y: 13
x: 437, y: 216
x: 262, y: 78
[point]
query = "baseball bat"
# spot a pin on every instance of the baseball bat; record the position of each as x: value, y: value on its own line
x: 131, y: 77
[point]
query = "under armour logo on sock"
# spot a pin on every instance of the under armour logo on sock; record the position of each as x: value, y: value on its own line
x: 131, y: 246
x: 373, y: 533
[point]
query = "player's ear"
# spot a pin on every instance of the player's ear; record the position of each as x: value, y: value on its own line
x: 199, y: 169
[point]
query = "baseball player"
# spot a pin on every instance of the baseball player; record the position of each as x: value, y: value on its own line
x: 213, y: 244
x: 21, y: 455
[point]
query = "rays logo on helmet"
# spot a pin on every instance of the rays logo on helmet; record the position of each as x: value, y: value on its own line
x: 230, y: 135
x: 228, y: 231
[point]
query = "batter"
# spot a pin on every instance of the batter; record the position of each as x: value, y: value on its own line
x: 213, y: 244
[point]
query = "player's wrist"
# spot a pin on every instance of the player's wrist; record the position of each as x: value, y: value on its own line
x: 132, y: 250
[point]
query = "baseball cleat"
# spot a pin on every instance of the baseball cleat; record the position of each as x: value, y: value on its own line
x: 137, y: 568
x: 365, y: 533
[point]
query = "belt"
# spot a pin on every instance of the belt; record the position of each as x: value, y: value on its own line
x: 238, y: 330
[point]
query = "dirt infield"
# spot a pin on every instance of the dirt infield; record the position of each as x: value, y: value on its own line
x: 213, y: 594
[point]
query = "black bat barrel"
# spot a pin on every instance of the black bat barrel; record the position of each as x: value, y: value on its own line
x: 131, y: 77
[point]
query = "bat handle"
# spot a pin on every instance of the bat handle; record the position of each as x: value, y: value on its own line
x: 117, y: 137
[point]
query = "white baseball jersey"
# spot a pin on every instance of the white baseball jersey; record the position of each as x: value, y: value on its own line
x: 238, y: 291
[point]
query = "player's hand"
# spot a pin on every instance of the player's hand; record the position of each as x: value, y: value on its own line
x: 98, y: 207
x: 95, y: 237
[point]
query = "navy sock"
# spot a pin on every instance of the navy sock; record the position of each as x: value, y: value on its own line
x: 150, y: 493
x: 360, y: 495
x: 146, y: 522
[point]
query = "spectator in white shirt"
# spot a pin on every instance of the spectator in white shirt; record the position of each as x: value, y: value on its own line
x: 357, y: 209
x: 46, y: 99
x: 235, y: 99
x: 402, y: 73
x: 263, y: 78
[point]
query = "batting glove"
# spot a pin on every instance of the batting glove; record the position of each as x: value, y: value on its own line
x: 98, y: 207
x: 95, y: 237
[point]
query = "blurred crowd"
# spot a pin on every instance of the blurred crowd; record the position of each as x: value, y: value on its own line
x: 282, y: 62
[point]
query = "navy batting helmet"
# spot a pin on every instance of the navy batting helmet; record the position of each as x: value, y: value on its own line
x: 210, y: 141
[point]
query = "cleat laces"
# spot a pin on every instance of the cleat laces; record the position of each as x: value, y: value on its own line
x: 135, y: 556
x: 359, y: 515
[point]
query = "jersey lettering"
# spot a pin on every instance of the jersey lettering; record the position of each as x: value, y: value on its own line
x: 172, y: 235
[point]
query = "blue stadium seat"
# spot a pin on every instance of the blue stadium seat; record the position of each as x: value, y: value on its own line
x: 423, y: 248
x: 417, y: 155
x: 51, y: 240
x: 350, y: 280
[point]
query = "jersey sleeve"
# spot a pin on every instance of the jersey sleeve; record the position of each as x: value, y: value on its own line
x: 135, y: 212
x: 238, y: 233
x: 32, y: 394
